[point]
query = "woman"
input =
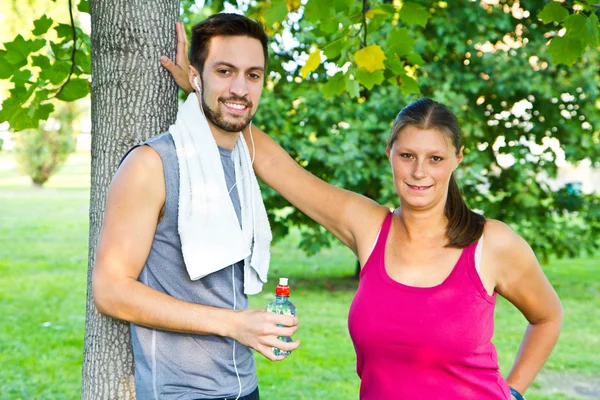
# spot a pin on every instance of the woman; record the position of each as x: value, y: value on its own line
x: 422, y: 318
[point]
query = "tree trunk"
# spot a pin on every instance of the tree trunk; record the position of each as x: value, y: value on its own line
x: 133, y: 98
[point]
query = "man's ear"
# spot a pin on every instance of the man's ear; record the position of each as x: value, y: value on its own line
x: 192, y: 76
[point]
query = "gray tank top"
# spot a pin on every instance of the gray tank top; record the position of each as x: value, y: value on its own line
x: 180, y: 366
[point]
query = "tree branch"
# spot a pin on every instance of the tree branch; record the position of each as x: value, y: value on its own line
x: 364, y: 21
x: 72, y: 53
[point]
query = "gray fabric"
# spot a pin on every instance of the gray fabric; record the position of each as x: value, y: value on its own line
x: 180, y: 366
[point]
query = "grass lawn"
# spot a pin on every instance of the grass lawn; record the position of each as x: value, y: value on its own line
x: 43, y: 268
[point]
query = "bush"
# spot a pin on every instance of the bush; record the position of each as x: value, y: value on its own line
x: 41, y: 152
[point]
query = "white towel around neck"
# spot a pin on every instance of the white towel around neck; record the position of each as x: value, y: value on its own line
x: 211, y: 237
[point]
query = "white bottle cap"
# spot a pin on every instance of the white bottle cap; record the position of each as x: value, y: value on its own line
x: 283, y: 281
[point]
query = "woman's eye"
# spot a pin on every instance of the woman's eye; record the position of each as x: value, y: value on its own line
x: 405, y: 155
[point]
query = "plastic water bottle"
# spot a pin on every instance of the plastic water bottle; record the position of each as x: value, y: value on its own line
x: 282, y: 305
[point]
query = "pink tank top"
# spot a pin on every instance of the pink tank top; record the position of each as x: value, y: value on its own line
x: 424, y: 343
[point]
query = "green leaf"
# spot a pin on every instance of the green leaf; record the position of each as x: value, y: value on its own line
x: 83, y: 61
x: 6, y: 68
x: 592, y: 28
x: 333, y: 49
x: 15, y: 115
x: 9, y: 107
x: 396, y: 66
x: 415, y: 59
x: 565, y: 50
x: 43, y: 111
x: 42, y: 25
x: 64, y: 31
x: 276, y: 12
x: 341, y: 6
x: 400, y: 42
x: 317, y: 10
x: 19, y: 94
x: 60, y: 53
x: 335, y: 85
x: 21, y: 76
x: 369, y: 79
x: 42, y: 95
x: 74, y: 89
x: 57, y: 73
x: 576, y: 25
x: 35, y: 45
x: 20, y: 120
x: 413, y: 13
x: 40, y: 61
x: 409, y: 85
x: 553, y: 12
x: 17, y: 50
x: 330, y: 25
x: 352, y: 87
x: 84, y: 6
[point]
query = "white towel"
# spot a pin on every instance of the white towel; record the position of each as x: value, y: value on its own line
x: 211, y: 237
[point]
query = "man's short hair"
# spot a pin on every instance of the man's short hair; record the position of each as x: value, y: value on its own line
x: 223, y: 24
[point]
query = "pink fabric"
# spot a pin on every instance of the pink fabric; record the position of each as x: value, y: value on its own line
x: 424, y: 343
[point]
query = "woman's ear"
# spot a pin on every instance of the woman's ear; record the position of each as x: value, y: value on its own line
x: 460, y: 156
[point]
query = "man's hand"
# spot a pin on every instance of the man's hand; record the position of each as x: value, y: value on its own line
x: 258, y: 329
x: 179, y: 70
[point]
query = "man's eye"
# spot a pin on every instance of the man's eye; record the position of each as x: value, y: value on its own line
x: 223, y: 72
x: 254, y: 76
x: 436, y: 158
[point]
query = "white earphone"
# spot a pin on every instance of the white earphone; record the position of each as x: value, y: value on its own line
x: 197, y: 83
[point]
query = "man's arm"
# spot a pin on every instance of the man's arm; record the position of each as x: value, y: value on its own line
x: 135, y: 198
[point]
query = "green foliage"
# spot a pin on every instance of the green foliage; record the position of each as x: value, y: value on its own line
x: 489, y: 63
x: 580, y: 30
x: 53, y: 63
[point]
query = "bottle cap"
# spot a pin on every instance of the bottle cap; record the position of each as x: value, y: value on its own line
x: 282, y: 289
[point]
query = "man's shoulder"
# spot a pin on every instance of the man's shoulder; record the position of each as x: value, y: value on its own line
x: 164, y: 137
x: 143, y: 159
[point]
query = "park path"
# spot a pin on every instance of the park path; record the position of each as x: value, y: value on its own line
x: 574, y: 385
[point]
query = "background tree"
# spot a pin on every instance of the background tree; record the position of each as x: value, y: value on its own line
x: 41, y: 152
x: 133, y: 98
x: 520, y: 106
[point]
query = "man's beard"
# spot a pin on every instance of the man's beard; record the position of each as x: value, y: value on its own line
x: 220, y: 120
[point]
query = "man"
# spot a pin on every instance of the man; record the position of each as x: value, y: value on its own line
x: 180, y: 246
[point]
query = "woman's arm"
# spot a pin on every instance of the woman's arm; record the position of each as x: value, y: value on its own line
x: 520, y: 279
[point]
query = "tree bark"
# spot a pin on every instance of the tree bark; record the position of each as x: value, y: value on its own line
x: 133, y: 98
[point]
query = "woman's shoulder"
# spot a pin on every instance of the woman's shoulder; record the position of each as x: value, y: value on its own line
x: 503, y: 241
